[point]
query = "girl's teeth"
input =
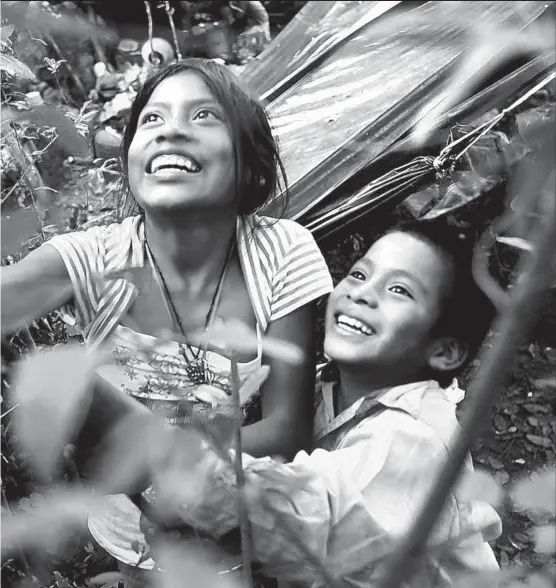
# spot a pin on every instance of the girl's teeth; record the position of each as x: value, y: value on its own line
x: 177, y: 162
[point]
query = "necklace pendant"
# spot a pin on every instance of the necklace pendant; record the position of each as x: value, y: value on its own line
x: 197, y: 371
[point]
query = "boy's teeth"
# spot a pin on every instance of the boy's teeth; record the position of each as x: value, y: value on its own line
x: 175, y: 162
x: 353, y: 325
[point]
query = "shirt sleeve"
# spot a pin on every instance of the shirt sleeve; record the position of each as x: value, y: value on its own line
x: 344, y: 510
x: 303, y: 275
x: 349, y: 507
x: 83, y: 253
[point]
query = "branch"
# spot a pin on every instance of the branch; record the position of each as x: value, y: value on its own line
x: 244, y: 526
x: 170, y: 11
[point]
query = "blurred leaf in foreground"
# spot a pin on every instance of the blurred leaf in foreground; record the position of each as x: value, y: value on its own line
x: 53, y: 391
x: 234, y: 336
x: 536, y: 493
x: 545, y: 539
x: 54, y: 519
x: 200, y: 567
x: 481, y: 486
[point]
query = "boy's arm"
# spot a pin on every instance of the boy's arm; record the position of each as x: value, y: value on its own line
x: 347, y: 507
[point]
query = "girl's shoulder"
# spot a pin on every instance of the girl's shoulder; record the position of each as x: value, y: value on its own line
x: 281, y: 233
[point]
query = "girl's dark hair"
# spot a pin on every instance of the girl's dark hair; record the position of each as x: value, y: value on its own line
x: 260, y: 174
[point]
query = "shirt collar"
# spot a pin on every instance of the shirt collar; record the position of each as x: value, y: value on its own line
x: 407, y: 398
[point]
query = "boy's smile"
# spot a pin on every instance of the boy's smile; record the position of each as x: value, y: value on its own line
x: 383, y: 313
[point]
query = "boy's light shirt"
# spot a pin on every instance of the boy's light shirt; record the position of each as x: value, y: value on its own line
x: 349, y: 506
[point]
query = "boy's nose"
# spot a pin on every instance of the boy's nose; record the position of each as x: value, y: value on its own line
x: 364, y: 294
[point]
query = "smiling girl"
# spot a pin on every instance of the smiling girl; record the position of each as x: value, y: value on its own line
x: 199, y: 159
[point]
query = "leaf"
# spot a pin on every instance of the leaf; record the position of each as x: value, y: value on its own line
x: 51, y: 116
x: 15, y: 67
x: 495, y: 463
x: 542, y: 383
x: 545, y: 539
x: 540, y: 441
x: 502, y: 477
x: 6, y: 33
x: 538, y: 492
x: 54, y: 393
x: 516, y: 242
x: 58, y: 515
x: 481, y: 486
x: 536, y: 408
x: 106, y: 580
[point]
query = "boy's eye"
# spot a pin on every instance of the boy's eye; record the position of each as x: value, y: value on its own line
x: 397, y: 289
x: 149, y: 117
x: 358, y: 275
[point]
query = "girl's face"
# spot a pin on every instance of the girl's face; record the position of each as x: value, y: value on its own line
x: 182, y: 154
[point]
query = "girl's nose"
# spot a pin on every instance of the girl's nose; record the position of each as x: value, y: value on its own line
x: 174, y: 129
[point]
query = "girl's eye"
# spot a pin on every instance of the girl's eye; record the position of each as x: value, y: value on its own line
x: 205, y: 113
x: 358, y: 275
x: 149, y: 117
x: 397, y: 289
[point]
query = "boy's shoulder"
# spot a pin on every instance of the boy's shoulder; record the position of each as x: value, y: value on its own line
x: 427, y: 403
x: 423, y: 408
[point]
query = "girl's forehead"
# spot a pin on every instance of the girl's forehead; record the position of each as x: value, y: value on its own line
x: 182, y: 88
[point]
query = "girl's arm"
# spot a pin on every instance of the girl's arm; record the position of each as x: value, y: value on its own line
x: 287, y: 396
x: 32, y: 288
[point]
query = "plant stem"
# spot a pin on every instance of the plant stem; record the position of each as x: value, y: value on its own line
x: 517, y: 318
x: 244, y: 526
x: 169, y: 12
x: 150, y: 21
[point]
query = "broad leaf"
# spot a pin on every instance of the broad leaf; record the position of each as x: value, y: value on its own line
x: 15, y: 67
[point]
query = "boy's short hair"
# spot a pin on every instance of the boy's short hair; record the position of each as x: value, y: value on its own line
x: 467, y: 312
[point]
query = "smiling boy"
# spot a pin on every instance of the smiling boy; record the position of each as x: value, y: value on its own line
x: 405, y: 320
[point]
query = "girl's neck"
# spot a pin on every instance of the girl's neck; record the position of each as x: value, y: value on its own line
x: 195, y: 246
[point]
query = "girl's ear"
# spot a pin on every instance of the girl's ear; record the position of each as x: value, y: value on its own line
x: 447, y: 354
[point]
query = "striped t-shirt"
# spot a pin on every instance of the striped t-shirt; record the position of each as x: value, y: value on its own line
x: 283, y: 269
x: 281, y: 263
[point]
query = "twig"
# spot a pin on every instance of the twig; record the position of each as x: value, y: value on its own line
x: 244, y: 527
x: 517, y: 318
x: 76, y: 79
x: 170, y: 11
x: 150, y: 21
x: 8, y: 411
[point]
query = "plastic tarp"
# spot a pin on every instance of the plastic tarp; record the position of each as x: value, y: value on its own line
x: 364, y: 92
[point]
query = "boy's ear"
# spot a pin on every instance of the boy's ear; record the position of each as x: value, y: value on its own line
x: 447, y: 354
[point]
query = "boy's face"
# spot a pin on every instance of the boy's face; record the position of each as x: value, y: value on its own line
x: 382, y: 313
